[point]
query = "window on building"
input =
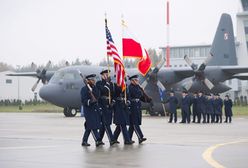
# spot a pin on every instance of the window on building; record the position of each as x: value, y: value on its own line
x: 229, y: 82
x: 175, y: 65
x: 191, y: 52
x: 197, y: 52
x: 8, y: 81
x: 180, y: 65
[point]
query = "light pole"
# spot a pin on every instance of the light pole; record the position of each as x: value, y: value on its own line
x: 18, y: 89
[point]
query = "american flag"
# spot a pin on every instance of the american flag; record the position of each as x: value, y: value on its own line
x: 118, y: 64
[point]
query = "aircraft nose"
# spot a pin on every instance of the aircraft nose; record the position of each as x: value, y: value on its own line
x: 49, y: 93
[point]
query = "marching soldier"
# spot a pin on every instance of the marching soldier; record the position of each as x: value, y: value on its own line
x: 173, y: 107
x: 89, y: 99
x: 105, y: 87
x: 185, y: 107
x: 136, y: 94
x: 121, y: 114
x: 228, y: 109
x: 218, y: 104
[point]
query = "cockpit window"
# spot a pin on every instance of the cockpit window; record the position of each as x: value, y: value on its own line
x: 64, y: 76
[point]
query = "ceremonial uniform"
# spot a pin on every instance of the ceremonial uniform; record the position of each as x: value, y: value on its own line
x: 201, y: 105
x: 228, y: 109
x: 135, y: 96
x: 210, y: 109
x: 185, y: 108
x: 194, y: 107
x: 218, y: 104
x: 91, y: 113
x: 105, y: 103
x: 121, y: 114
x: 173, y: 107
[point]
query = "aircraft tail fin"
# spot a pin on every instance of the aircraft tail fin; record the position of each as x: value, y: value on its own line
x: 223, y: 46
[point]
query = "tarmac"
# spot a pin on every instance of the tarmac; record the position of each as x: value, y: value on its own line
x: 38, y: 140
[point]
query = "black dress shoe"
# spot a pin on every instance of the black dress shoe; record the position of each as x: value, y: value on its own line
x: 117, y: 142
x: 85, y: 144
x: 142, y: 140
x: 128, y: 143
x: 98, y: 143
x: 112, y: 143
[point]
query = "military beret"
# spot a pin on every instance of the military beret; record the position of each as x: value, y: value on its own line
x: 227, y: 96
x: 134, y: 77
x: 91, y: 76
x: 104, y: 71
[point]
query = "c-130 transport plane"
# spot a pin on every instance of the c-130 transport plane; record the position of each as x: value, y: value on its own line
x: 63, y: 88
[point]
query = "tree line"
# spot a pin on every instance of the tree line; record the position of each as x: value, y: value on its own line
x: 129, y: 63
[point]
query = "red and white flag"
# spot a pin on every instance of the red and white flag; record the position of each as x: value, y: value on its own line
x: 132, y: 49
x: 118, y: 64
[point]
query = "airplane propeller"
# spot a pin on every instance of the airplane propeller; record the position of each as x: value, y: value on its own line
x: 199, y: 72
x: 41, y: 75
x: 152, y: 76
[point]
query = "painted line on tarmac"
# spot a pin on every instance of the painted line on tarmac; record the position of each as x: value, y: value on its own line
x: 207, y: 155
x: 26, y: 147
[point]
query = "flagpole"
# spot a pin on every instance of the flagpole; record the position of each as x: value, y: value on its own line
x: 109, y: 92
x: 122, y: 25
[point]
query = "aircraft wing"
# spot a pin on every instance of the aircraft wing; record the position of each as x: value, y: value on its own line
x: 241, y: 76
x: 232, y: 70
x: 30, y: 74
x: 184, y: 73
x: 49, y: 74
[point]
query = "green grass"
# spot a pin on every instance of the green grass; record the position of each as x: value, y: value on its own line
x: 237, y: 110
x: 32, y: 108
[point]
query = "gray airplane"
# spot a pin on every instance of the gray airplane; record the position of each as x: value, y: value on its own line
x: 63, y: 88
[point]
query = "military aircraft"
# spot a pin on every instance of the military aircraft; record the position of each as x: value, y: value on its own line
x: 63, y: 88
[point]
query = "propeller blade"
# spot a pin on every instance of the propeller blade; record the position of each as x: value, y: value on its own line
x: 190, y: 63
x: 205, y: 62
x: 144, y: 84
x: 161, y: 86
x: 208, y: 83
x: 35, y: 85
x: 159, y: 65
x: 188, y: 85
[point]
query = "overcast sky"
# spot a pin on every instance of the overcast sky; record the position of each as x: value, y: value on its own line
x: 42, y: 30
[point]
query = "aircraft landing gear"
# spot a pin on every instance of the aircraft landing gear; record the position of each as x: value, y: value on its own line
x: 70, y: 112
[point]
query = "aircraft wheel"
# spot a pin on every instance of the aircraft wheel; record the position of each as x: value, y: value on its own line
x: 70, y: 112
x: 73, y: 112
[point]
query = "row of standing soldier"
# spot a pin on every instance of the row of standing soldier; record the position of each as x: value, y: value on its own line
x: 104, y: 102
x: 208, y: 108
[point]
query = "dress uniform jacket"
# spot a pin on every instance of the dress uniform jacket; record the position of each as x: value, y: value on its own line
x: 210, y: 106
x: 91, y: 109
x: 135, y: 94
x: 201, y: 104
x: 228, y: 107
x: 218, y: 104
x: 121, y: 111
x: 107, y: 113
x: 173, y: 104
x: 186, y: 105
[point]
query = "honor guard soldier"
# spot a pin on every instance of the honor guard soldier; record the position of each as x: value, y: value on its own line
x: 201, y: 107
x: 121, y: 114
x: 89, y: 99
x: 218, y: 104
x: 172, y: 107
x: 185, y: 107
x: 194, y: 106
x: 228, y: 109
x: 105, y: 87
x: 209, y: 108
x: 136, y: 94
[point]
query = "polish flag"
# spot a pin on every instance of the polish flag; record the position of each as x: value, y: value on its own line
x: 132, y: 49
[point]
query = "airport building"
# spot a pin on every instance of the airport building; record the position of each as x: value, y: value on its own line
x: 198, y: 53
x: 17, y: 88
